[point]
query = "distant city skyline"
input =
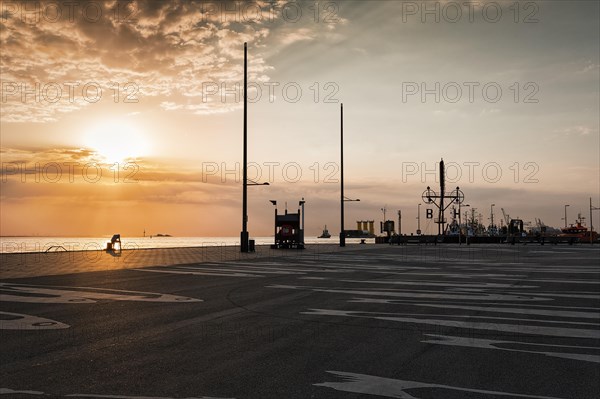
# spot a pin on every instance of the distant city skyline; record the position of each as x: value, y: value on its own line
x: 125, y: 117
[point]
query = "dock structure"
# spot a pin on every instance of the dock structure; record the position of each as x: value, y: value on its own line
x: 368, y: 226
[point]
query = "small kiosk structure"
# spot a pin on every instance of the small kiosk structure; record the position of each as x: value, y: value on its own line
x: 288, y: 234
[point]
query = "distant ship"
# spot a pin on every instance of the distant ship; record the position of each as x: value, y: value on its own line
x: 578, y: 231
x: 325, y: 233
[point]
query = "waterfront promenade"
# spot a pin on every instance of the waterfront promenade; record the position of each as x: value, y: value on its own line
x: 424, y: 322
x: 29, y: 264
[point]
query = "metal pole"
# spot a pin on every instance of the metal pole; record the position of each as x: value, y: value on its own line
x: 399, y: 222
x: 566, y: 216
x: 419, y: 219
x: 244, y: 233
x: 442, y: 194
x: 459, y: 225
x: 342, y: 234
x: 302, y: 220
x: 591, y: 224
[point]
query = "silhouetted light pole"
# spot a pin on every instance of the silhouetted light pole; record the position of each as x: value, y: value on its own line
x: 342, y: 197
x: 418, y: 219
x: 399, y: 222
x: 244, y: 234
x: 592, y: 208
x: 301, y: 203
x: 566, y: 216
x: 492, y: 215
x: 342, y: 234
x: 274, y: 222
x: 442, y: 209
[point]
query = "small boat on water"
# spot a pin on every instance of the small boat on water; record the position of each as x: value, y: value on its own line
x: 578, y: 230
x: 325, y: 233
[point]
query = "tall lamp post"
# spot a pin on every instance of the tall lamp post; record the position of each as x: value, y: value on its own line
x: 419, y: 219
x: 274, y: 222
x: 244, y: 233
x: 399, y: 222
x: 342, y: 234
x: 301, y: 203
x: 342, y: 197
x: 492, y: 216
x: 592, y: 208
x: 244, y: 243
x: 566, y: 216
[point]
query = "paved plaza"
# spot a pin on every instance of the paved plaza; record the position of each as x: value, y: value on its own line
x: 424, y: 322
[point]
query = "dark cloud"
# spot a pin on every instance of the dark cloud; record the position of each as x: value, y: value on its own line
x: 165, y: 48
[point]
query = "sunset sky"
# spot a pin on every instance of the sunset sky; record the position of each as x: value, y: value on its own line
x: 152, y: 87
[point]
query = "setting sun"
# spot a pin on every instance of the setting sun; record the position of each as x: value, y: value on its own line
x: 117, y: 140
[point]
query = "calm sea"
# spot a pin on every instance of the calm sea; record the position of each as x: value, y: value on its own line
x: 42, y: 244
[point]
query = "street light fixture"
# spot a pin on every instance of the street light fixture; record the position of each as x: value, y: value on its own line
x: 566, y: 216
x: 301, y: 203
x: 399, y: 222
x: 342, y: 234
x: 244, y: 242
x: 419, y: 219
x: 492, y: 216
x: 342, y: 197
x: 274, y: 222
x: 592, y: 208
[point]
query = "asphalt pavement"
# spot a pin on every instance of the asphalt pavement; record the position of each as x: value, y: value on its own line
x: 450, y: 322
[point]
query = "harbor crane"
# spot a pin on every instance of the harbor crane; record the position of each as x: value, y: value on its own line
x: 506, y: 217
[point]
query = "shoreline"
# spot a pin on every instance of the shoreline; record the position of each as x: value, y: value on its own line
x: 17, y: 245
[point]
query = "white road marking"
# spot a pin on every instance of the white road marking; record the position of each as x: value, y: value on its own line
x: 413, y: 294
x: 59, y: 294
x: 18, y: 321
x: 566, y: 281
x: 197, y: 273
x: 7, y: 391
x: 393, y: 388
x: 239, y: 270
x: 512, y: 328
x: 528, y: 311
x: 439, y: 284
x: 490, y: 344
